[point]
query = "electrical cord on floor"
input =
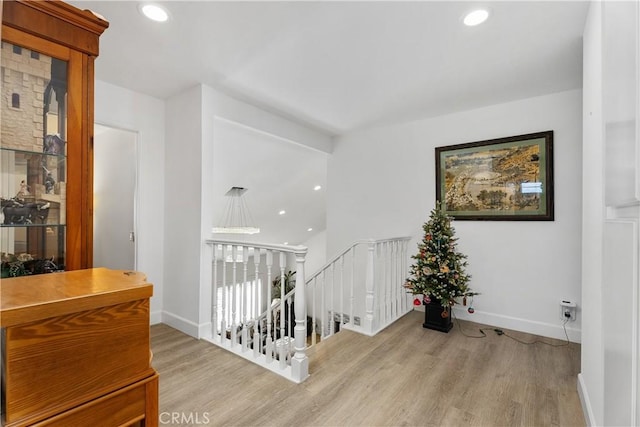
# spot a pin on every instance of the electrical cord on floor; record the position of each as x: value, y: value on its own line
x: 564, y: 327
x: 501, y: 332
x: 467, y: 335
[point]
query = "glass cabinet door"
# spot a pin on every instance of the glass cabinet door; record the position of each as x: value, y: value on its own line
x: 33, y: 165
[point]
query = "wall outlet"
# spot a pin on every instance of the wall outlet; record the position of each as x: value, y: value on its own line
x: 567, y: 310
x: 337, y: 317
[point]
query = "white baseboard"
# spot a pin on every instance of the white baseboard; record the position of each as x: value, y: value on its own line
x: 181, y: 324
x: 204, y: 330
x: 155, y: 317
x: 523, y: 325
x: 587, y: 410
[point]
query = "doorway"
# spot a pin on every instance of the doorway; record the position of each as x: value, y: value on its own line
x: 114, y: 198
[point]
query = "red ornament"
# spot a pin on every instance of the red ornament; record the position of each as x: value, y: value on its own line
x: 470, y: 310
x: 444, y: 314
x: 416, y: 302
x: 426, y: 299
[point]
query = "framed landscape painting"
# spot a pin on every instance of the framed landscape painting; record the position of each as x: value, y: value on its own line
x: 500, y: 179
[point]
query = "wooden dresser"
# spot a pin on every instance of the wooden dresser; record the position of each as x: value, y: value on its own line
x: 76, y: 350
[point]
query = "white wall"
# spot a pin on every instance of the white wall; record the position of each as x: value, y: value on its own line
x: 383, y: 185
x: 591, y: 377
x: 182, y: 186
x: 316, y: 253
x: 122, y: 108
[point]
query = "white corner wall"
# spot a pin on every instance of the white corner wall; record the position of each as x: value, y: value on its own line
x: 182, y: 187
x: 125, y: 109
x: 591, y: 377
x: 608, y: 384
x: 382, y: 185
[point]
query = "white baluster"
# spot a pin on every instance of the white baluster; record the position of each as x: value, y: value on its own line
x: 314, y: 287
x: 234, y: 297
x: 341, y: 291
x: 378, y: 271
x: 300, y: 362
x: 223, y: 326
x: 392, y: 282
x: 323, y: 306
x: 369, y: 297
x: 269, y: 340
x: 405, y: 270
x: 332, y: 315
x: 379, y: 280
x: 214, y: 294
x: 398, y: 281
x: 396, y: 285
x: 245, y: 327
x: 283, y: 312
x: 257, y: 342
x: 386, y: 301
x: 351, y: 285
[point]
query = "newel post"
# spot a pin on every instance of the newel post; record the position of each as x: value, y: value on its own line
x: 300, y: 361
x: 369, y: 280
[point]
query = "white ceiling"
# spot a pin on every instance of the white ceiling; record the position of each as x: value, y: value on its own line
x: 345, y: 65
x: 337, y: 67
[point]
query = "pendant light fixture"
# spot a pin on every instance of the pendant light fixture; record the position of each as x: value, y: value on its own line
x: 237, y: 219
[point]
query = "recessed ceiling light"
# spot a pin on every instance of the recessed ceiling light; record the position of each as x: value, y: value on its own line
x: 317, y: 187
x: 154, y: 12
x: 286, y: 243
x: 282, y: 212
x: 476, y: 17
x: 309, y: 229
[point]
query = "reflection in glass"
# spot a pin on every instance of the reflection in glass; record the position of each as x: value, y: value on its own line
x: 32, y: 161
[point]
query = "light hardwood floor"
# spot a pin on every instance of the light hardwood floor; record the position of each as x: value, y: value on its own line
x: 404, y: 376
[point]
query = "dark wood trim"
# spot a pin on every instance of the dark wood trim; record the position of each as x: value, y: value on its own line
x: 88, y: 162
x: 76, y: 105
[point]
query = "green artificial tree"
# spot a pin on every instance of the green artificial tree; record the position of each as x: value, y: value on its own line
x: 439, y: 270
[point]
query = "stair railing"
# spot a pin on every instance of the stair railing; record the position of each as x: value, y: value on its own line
x: 242, y: 274
x: 360, y: 289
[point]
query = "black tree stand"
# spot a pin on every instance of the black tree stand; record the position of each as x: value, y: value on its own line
x: 433, y: 318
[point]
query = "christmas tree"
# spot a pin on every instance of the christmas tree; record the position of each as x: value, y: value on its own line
x: 439, y: 270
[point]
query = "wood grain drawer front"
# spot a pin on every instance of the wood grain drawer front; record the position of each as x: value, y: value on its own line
x: 55, y: 364
x: 121, y: 408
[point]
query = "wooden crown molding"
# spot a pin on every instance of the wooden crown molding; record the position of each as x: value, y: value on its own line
x: 56, y: 21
